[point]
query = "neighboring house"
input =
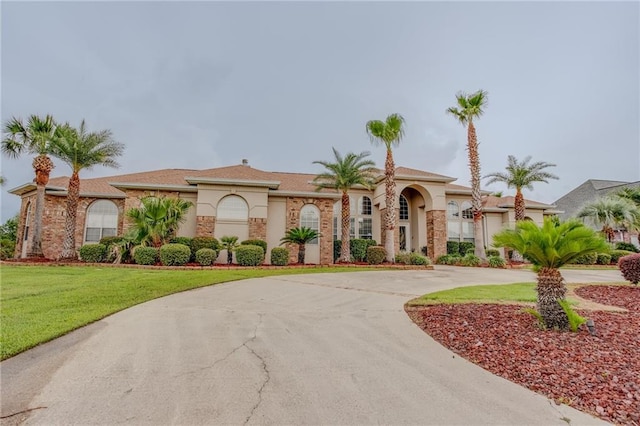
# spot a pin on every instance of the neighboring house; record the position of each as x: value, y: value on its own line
x: 591, y: 190
x: 253, y: 204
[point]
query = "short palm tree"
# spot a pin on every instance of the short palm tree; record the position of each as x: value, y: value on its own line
x: 342, y: 175
x: 632, y: 194
x: 229, y: 244
x: 549, y: 247
x: 34, y: 137
x: 611, y: 213
x: 469, y: 108
x: 81, y: 150
x: 157, y: 219
x: 300, y: 236
x: 521, y: 174
x: 388, y: 133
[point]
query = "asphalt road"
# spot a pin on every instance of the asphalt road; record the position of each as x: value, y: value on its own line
x: 329, y: 349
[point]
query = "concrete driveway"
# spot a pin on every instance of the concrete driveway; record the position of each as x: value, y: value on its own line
x: 311, y: 349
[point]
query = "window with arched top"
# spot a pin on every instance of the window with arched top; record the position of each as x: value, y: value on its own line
x: 101, y: 221
x: 27, y: 223
x: 232, y: 207
x: 452, y: 210
x: 467, y: 210
x: 460, y: 222
x: 310, y: 218
x: 404, y: 208
x: 365, y: 206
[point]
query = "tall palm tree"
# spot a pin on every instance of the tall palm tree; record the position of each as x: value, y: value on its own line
x: 342, y: 175
x: 611, y: 213
x: 632, y: 194
x: 34, y: 137
x: 521, y: 174
x: 81, y: 150
x: 549, y: 247
x: 229, y: 243
x: 388, y: 133
x: 157, y: 219
x: 469, y: 108
x: 300, y: 236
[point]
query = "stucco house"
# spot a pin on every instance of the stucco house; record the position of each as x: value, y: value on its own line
x: 253, y: 204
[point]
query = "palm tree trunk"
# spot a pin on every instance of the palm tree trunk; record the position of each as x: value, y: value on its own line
x: 390, y: 212
x: 476, y: 196
x: 42, y: 166
x: 345, y: 251
x: 301, y: 249
x: 551, y: 288
x: 73, y: 193
x: 519, y: 208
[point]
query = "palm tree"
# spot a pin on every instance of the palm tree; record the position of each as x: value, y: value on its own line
x: 347, y: 172
x: 389, y: 133
x: 300, y: 236
x: 471, y: 107
x: 632, y: 194
x: 611, y: 213
x: 157, y: 219
x: 81, y: 150
x: 521, y: 174
x: 229, y: 244
x: 34, y: 137
x: 549, y: 247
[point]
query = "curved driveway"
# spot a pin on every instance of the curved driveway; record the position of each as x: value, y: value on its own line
x: 310, y: 349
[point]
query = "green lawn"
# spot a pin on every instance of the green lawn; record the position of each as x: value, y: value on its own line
x: 519, y: 292
x: 39, y: 304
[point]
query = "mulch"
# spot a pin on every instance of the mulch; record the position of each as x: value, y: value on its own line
x: 597, y: 374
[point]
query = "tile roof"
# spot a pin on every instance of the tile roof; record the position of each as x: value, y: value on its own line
x: 490, y: 201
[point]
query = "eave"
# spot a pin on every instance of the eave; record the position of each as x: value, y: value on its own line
x: 271, y: 184
x: 154, y: 186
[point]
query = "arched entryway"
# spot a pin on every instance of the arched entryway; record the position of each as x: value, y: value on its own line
x: 412, y: 222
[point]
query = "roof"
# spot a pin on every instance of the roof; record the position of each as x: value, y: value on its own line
x: 589, y: 191
x: 491, y: 201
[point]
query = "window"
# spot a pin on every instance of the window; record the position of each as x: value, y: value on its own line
x: 467, y: 231
x: 404, y: 208
x: 310, y: 218
x: 361, y: 223
x: 365, y: 206
x: 102, y: 221
x: 467, y: 210
x: 365, y: 228
x: 27, y: 222
x: 453, y: 230
x: 452, y: 210
x: 460, y: 227
x: 233, y: 207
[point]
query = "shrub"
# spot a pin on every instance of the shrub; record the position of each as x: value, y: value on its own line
x: 424, y: 250
x: 358, y: 248
x: 496, y: 262
x: 279, y: 256
x: 376, y: 255
x: 337, y: 248
x: 259, y: 243
x: 603, y: 259
x: 403, y: 257
x: 617, y: 254
x: 586, y: 259
x: 174, y: 254
x: 453, y: 247
x: 627, y: 246
x: 7, y: 248
x: 181, y: 240
x: 470, y: 260
x: 111, y: 243
x: 206, y: 256
x: 493, y: 252
x: 107, y: 241
x: 145, y: 255
x: 448, y: 259
x: 465, y: 247
x: 198, y: 243
x: 93, y: 253
x: 630, y: 267
x: 249, y: 255
x: 418, y: 259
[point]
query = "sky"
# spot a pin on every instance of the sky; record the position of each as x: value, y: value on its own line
x: 206, y: 84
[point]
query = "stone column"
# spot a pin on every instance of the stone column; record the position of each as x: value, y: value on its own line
x: 436, y: 233
x: 205, y: 226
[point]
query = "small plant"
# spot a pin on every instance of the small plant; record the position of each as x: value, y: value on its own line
x: 630, y: 267
x: 496, y: 262
x: 627, y: 246
x: 145, y: 255
x: 537, y: 316
x: 174, y: 254
x: 617, y: 254
x: 453, y: 247
x: 603, y: 259
x: 449, y: 259
x: 111, y: 243
x: 466, y: 247
x: 470, y: 260
x: 206, y: 256
x: 229, y: 243
x: 575, y: 319
x: 403, y: 257
x: 376, y: 255
x: 248, y: 255
x: 279, y: 256
x: 493, y: 252
x: 418, y: 259
x: 255, y: 242
x: 93, y: 253
x: 586, y: 259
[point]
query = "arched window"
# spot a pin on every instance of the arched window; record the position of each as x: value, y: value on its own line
x: 467, y: 210
x: 310, y: 218
x: 452, y: 210
x: 233, y: 207
x: 365, y: 206
x: 404, y: 208
x: 27, y: 222
x: 102, y: 221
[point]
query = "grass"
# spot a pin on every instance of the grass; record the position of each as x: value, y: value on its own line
x: 41, y: 303
x: 491, y: 293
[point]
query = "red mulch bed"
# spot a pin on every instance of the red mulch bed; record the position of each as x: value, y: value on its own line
x: 596, y: 374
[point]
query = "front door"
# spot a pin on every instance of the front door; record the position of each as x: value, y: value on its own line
x: 403, y: 233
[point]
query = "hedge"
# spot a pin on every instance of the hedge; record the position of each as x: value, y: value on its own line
x: 249, y: 255
x: 93, y: 253
x: 259, y: 243
x: 206, y: 256
x: 357, y: 246
x: 198, y: 243
x: 617, y: 254
x: 453, y: 247
x: 376, y: 255
x: 279, y: 256
x: 174, y: 254
x: 630, y: 267
x: 627, y: 246
x: 586, y: 259
x: 496, y: 262
x: 603, y: 259
x: 145, y: 255
x: 465, y: 247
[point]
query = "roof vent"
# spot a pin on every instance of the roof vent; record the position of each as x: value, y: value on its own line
x: 245, y: 162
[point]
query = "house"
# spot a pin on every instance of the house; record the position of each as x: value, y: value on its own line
x: 590, y: 191
x: 253, y: 204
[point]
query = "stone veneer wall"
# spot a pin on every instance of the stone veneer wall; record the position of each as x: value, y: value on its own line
x: 436, y: 233
x: 205, y: 226
x: 258, y: 229
x: 294, y: 205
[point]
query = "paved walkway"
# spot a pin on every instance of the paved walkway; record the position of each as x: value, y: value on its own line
x: 310, y: 349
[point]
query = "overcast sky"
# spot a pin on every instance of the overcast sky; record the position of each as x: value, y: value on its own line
x: 206, y: 84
